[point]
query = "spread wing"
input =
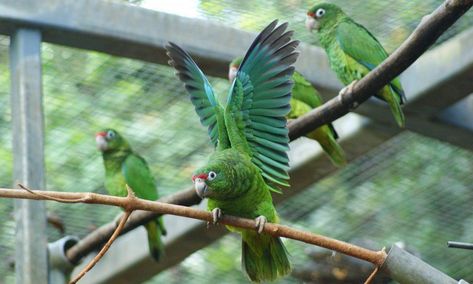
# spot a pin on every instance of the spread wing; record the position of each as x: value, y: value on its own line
x: 199, y: 88
x: 259, y: 100
x: 361, y: 45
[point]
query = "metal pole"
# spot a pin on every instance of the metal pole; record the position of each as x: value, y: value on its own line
x: 60, y: 267
x: 461, y: 245
x: 408, y: 269
x: 31, y: 261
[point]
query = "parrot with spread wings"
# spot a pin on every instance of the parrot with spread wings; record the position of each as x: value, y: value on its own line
x: 305, y: 98
x: 122, y: 167
x: 251, y: 140
x: 353, y: 51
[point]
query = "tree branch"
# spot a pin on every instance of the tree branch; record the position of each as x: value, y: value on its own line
x: 131, y: 197
x: 99, y: 236
x: 428, y: 31
x: 375, y: 257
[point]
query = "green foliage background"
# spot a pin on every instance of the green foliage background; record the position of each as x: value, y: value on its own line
x: 411, y: 189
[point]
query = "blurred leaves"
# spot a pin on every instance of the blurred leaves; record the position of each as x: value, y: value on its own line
x: 412, y: 189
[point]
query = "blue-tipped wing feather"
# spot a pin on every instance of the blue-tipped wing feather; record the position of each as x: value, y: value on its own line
x: 265, y: 79
x: 199, y: 88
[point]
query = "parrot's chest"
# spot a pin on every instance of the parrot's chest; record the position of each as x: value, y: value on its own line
x: 115, y: 184
x: 346, y: 68
x: 249, y: 206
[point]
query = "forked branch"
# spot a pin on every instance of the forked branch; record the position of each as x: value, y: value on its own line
x: 131, y: 204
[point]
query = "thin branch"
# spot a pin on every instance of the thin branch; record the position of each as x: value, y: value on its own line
x: 428, y: 31
x: 99, y: 236
x: 130, y: 198
x: 104, y: 249
x: 83, y: 199
x: 375, y: 257
x: 370, y: 278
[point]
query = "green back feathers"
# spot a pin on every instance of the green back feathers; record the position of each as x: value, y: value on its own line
x: 138, y: 177
x: 258, y: 100
x: 120, y: 160
x: 304, y: 91
x: 356, y: 41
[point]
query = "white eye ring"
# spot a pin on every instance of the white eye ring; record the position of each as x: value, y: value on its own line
x: 320, y: 12
x: 110, y: 134
x: 212, y: 176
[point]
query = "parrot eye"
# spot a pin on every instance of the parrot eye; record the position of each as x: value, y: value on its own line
x: 110, y: 134
x: 212, y: 176
x: 320, y: 12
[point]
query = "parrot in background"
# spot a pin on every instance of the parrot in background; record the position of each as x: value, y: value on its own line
x: 305, y: 98
x: 353, y: 51
x: 123, y: 166
x: 251, y: 140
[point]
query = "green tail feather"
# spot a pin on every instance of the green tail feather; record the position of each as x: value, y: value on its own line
x: 394, y: 102
x: 330, y: 146
x: 266, y: 260
x: 156, y: 247
x: 397, y: 112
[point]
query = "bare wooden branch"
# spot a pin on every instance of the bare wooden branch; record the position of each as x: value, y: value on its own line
x: 375, y: 257
x: 104, y: 249
x: 130, y: 197
x: 428, y: 31
x: 99, y: 236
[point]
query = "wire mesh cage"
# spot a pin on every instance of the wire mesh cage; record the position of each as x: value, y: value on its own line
x: 411, y: 189
x: 390, y: 22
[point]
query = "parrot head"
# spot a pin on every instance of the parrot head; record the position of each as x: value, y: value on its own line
x: 233, y: 68
x: 323, y: 15
x: 224, y: 177
x: 110, y: 140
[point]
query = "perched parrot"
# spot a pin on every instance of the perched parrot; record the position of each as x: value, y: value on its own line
x: 305, y: 98
x: 123, y: 166
x: 353, y: 51
x: 251, y: 140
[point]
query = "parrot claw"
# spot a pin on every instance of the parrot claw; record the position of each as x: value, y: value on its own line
x: 260, y: 222
x: 216, y: 215
x: 347, y: 91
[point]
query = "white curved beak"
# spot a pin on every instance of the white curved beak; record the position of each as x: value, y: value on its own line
x: 200, y: 187
x: 311, y: 23
x: 232, y: 72
x: 101, y: 143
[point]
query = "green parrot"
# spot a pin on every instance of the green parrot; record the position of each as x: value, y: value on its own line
x: 353, y: 51
x: 251, y: 140
x: 305, y: 98
x: 123, y: 166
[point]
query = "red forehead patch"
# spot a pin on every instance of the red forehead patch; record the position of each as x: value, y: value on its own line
x: 201, y: 176
x: 310, y: 14
x: 103, y: 134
